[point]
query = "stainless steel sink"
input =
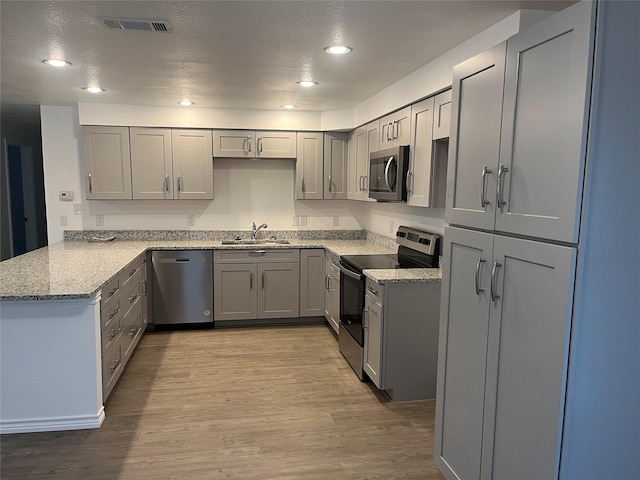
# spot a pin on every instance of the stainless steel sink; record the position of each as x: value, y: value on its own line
x: 255, y: 242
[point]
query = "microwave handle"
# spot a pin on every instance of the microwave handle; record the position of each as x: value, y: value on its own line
x: 386, y: 173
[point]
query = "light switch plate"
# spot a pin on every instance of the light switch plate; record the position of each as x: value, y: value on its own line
x: 100, y: 220
x: 303, y: 220
x: 77, y: 209
x: 63, y: 221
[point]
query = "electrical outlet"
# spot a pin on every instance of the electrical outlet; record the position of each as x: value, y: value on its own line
x: 391, y: 226
x: 191, y: 220
x: 63, y: 221
x: 99, y: 220
x: 77, y: 209
x: 336, y: 221
x: 303, y: 220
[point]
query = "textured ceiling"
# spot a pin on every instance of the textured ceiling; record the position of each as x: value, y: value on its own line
x: 233, y: 54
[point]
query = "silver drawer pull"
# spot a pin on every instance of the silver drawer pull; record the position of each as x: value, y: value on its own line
x: 375, y: 292
x: 114, y: 313
x: 114, y: 366
x: 114, y: 333
x: 133, y: 331
x: 494, y: 281
x: 133, y: 272
x: 133, y: 299
x: 502, y: 170
x: 258, y: 252
x: 483, y: 186
x: 478, y: 265
x: 112, y: 292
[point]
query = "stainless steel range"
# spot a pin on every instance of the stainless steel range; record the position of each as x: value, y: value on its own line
x: 417, y: 249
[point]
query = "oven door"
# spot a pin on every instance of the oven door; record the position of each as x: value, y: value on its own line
x: 352, y: 286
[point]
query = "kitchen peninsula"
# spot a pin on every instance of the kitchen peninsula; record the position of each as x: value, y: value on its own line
x: 50, y: 318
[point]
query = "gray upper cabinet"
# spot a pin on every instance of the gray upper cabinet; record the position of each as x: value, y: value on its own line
x: 335, y: 165
x: 395, y: 129
x: 192, y: 164
x: 107, y: 162
x: 234, y: 143
x: 419, y: 177
x: 151, y: 163
x: 309, y: 166
x: 503, y: 346
x: 254, y: 144
x: 312, y: 278
x: 358, y: 164
x: 544, y: 128
x: 474, y: 145
x: 442, y: 115
x: 520, y: 169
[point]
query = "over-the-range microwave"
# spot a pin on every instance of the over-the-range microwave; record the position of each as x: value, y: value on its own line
x: 388, y: 174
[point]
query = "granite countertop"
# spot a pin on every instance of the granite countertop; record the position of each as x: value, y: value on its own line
x: 79, y: 269
x: 405, y: 275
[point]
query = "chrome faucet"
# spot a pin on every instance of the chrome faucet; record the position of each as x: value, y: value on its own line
x: 255, y: 230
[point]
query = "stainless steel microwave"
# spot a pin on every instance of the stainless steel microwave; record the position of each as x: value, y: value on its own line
x: 388, y: 174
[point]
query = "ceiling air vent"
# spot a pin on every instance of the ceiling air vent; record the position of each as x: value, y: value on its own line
x: 112, y: 23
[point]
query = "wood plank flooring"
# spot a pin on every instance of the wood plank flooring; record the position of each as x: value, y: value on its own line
x: 242, y: 403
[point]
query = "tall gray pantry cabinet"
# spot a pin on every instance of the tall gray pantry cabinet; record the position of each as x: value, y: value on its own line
x: 522, y: 113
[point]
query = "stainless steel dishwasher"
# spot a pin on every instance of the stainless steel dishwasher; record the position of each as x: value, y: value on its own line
x: 182, y: 287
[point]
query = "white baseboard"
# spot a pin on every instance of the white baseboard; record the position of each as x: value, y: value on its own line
x: 52, y: 424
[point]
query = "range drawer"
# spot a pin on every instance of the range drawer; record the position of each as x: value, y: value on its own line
x: 257, y: 255
x: 374, y: 290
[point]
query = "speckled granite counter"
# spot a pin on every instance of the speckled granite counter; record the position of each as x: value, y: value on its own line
x: 405, y: 275
x: 78, y: 269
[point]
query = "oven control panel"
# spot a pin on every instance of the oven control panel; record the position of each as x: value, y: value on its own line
x: 419, y: 240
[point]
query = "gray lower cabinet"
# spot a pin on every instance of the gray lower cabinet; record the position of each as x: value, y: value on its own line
x: 256, y: 284
x: 332, y: 291
x: 312, y: 276
x: 401, y: 338
x: 123, y: 321
x: 505, y: 319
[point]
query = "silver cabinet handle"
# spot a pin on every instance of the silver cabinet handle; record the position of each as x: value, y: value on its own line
x: 263, y: 280
x: 389, y: 135
x: 395, y: 130
x: 166, y: 183
x: 483, y: 186
x: 114, y: 313
x: 302, y: 183
x: 408, y: 181
x: 143, y: 283
x: 478, y: 267
x: 329, y: 183
x: 133, y: 331
x: 258, y: 252
x: 501, y: 172
x: 179, y: 183
x: 133, y: 299
x: 112, y: 292
x: 114, y: 333
x: 90, y: 184
x: 249, y: 143
x: 375, y: 292
x: 365, y: 316
x: 326, y: 281
x: 494, y: 281
x: 251, y: 281
x: 114, y: 366
x: 366, y: 180
x: 259, y: 144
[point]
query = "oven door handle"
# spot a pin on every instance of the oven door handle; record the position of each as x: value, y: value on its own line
x: 349, y: 273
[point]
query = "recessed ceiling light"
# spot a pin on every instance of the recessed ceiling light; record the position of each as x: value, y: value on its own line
x: 307, y: 83
x: 337, y: 49
x: 56, y: 62
x: 186, y: 103
x: 289, y: 107
x: 93, y: 89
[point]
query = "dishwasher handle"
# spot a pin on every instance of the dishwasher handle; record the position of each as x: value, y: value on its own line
x: 182, y: 260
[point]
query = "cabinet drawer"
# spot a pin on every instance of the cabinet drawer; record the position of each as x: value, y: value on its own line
x: 111, y: 313
x: 257, y: 255
x: 127, y: 276
x: 374, y: 290
x: 110, y: 292
x: 111, y: 334
x: 112, y: 366
x: 131, y: 293
x: 131, y: 330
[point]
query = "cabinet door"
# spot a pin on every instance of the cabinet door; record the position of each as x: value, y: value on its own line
x: 401, y: 128
x: 309, y: 166
x: 234, y: 143
x: 107, y: 162
x: 332, y: 292
x: 462, y: 352
x: 335, y: 165
x: 373, y: 340
x: 476, y: 108
x: 279, y: 292
x: 544, y: 128
x: 151, y: 163
x: 276, y: 144
x: 312, y: 282
x: 442, y: 115
x: 419, y: 176
x: 192, y: 164
x: 235, y: 296
x: 527, y: 361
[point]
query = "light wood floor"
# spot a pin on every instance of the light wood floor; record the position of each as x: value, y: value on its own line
x: 244, y: 403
